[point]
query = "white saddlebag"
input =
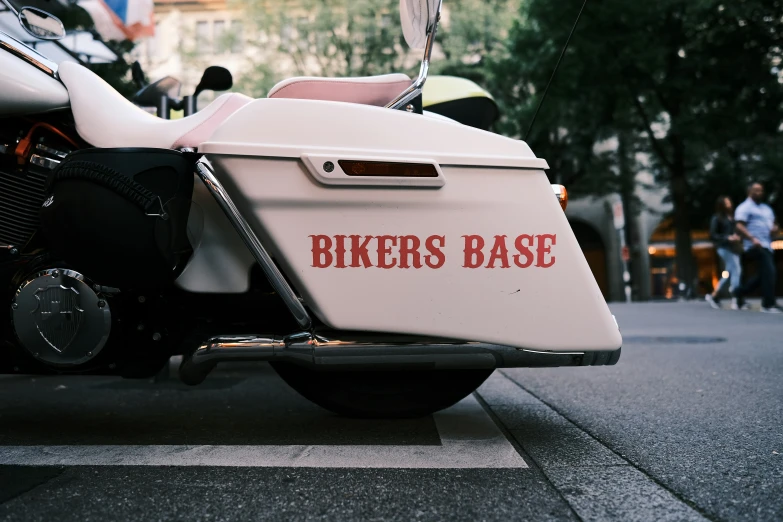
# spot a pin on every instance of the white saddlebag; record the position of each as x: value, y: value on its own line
x: 403, y: 253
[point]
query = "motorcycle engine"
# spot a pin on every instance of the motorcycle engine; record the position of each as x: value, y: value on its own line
x: 22, y: 178
x: 60, y: 319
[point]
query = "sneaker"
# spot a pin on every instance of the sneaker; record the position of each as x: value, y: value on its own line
x: 771, y: 310
x: 738, y: 303
x: 712, y: 302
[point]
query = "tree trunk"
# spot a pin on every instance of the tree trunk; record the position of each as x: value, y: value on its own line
x: 639, y: 265
x: 682, y: 228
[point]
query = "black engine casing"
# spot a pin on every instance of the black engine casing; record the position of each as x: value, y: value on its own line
x: 142, y: 335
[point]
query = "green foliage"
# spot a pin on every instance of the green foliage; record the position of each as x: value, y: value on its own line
x: 693, y: 84
x: 471, y: 34
x: 323, y: 38
x: 691, y: 87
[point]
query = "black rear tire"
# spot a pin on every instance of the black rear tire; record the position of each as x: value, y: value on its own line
x: 382, y: 394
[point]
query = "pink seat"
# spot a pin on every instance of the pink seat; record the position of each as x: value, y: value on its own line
x: 364, y: 90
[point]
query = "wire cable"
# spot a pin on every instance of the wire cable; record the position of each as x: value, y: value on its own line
x: 555, y: 71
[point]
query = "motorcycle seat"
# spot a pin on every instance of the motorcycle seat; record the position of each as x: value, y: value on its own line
x: 105, y: 119
x: 364, y: 90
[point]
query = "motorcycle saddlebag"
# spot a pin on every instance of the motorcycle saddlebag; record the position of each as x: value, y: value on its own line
x: 119, y: 216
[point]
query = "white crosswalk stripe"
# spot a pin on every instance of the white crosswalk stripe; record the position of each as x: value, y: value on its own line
x: 469, y: 439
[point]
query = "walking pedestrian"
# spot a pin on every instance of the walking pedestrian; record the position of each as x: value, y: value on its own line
x: 756, y: 224
x: 729, y: 246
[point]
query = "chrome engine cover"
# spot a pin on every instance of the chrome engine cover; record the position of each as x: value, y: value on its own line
x: 60, y: 319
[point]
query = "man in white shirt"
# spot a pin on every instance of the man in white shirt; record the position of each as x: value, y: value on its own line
x: 756, y: 224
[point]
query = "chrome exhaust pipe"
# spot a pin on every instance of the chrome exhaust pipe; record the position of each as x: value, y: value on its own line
x: 344, y: 350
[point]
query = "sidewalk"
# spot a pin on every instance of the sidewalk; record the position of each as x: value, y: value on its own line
x: 725, y: 302
x: 754, y: 302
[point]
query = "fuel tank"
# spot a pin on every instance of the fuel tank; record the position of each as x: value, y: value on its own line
x: 24, y: 86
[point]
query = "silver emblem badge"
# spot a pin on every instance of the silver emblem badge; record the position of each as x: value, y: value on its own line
x: 49, y: 201
x: 58, y: 316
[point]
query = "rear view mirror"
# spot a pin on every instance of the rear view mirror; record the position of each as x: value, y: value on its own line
x: 150, y: 95
x: 215, y: 78
x: 138, y: 75
x: 41, y: 24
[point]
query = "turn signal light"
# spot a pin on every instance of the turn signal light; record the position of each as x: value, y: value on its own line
x: 561, y: 194
x: 388, y: 169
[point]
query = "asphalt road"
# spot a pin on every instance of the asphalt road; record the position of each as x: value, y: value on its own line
x: 687, y: 426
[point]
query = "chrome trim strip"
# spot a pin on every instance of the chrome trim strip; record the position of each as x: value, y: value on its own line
x: 20, y: 50
x: 415, y: 88
x: 42, y: 161
x: 49, y: 150
x: 207, y: 174
x: 340, y: 350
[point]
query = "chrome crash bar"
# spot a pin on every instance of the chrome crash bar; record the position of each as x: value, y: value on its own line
x: 207, y: 174
x: 341, y: 350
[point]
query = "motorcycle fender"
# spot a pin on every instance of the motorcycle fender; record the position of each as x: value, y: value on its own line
x: 479, y: 249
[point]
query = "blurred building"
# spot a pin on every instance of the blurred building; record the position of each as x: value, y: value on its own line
x: 189, y: 36
x: 622, y: 269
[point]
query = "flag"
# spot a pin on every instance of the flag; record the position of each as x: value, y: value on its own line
x: 121, y: 19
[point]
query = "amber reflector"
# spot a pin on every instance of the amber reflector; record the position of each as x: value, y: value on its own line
x: 387, y: 169
x: 561, y: 194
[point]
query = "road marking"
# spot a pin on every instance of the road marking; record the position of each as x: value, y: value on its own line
x: 469, y: 439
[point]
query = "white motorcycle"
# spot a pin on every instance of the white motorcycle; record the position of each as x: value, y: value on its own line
x: 384, y: 260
